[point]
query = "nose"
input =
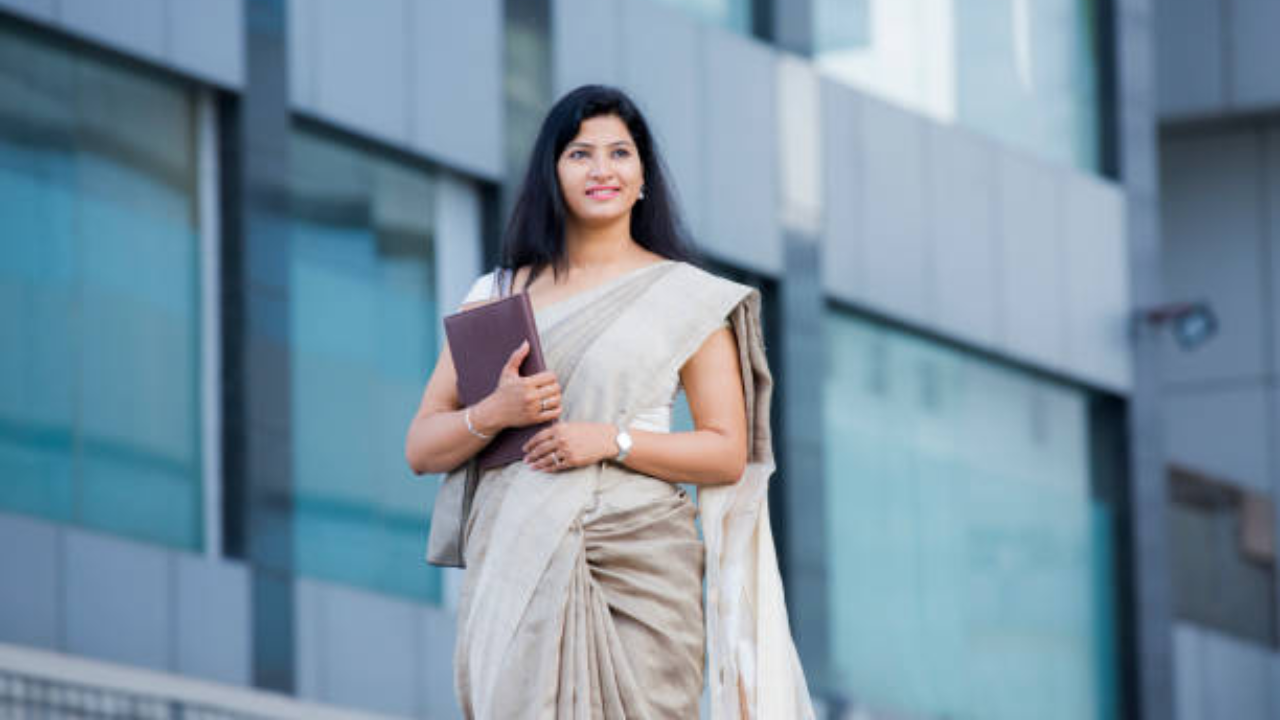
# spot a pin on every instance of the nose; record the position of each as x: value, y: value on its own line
x: 599, y: 168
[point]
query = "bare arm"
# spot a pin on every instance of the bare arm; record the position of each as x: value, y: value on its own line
x: 438, y: 439
x: 714, y: 452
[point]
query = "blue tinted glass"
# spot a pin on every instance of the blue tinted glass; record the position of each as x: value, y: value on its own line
x: 99, y: 381
x: 363, y: 329
x: 967, y: 559
x: 1022, y: 71
x: 732, y: 14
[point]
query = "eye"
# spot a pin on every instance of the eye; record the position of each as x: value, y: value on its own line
x: 575, y: 153
x: 622, y: 152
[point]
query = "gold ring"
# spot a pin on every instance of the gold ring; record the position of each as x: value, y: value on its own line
x: 544, y: 404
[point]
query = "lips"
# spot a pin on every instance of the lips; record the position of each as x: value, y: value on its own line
x: 603, y: 192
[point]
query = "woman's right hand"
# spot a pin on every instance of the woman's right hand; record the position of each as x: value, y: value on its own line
x: 519, y: 400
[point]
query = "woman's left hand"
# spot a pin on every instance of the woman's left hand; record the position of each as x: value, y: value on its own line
x: 567, y: 445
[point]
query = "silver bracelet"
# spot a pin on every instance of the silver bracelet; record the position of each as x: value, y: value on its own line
x: 467, y: 416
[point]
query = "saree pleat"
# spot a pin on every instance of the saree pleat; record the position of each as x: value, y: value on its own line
x: 583, y: 593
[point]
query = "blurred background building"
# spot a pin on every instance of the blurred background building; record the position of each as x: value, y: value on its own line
x: 1015, y: 482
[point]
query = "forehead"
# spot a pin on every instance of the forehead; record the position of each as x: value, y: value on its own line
x: 602, y: 130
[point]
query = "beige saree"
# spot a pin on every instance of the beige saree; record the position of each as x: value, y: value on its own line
x: 583, y: 595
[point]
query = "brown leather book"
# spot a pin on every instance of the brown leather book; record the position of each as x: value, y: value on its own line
x: 481, y: 340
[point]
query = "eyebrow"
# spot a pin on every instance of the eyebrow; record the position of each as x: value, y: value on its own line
x: 584, y: 144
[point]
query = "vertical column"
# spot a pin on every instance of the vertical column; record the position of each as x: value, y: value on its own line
x: 1136, y: 155
x: 527, y: 90
x: 803, y: 534
x: 258, y: 498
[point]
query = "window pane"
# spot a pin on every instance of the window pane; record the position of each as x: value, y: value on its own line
x: 968, y: 562
x: 99, y: 410
x: 1022, y: 71
x: 363, y: 329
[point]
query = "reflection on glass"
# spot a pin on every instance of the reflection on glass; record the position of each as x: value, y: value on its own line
x: 732, y: 14
x: 99, y: 409
x: 363, y: 329
x: 1022, y: 71
x: 968, y: 562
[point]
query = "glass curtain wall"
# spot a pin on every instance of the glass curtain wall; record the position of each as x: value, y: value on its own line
x: 1024, y: 72
x: 363, y: 331
x: 969, y: 558
x: 732, y: 14
x: 99, y: 290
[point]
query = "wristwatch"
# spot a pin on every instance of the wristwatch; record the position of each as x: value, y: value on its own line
x: 623, y: 438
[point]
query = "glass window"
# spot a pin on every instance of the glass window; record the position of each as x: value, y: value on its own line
x: 969, y: 560
x: 99, y: 317
x: 1222, y: 548
x: 363, y: 328
x: 732, y: 14
x: 1022, y: 71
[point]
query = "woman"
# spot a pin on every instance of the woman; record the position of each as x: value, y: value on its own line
x: 583, y: 593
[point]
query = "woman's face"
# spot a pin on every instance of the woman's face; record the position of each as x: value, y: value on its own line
x: 600, y: 171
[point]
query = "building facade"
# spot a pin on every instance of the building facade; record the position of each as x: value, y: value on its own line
x: 229, y: 229
x: 1219, y: 119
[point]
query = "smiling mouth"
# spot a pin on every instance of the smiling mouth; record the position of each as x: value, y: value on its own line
x: 603, y: 192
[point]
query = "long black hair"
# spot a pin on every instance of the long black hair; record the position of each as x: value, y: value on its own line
x: 535, y: 233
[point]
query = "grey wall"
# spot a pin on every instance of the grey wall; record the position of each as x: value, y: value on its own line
x: 1220, y: 190
x: 413, y: 74
x: 104, y: 597
x: 930, y: 224
x: 1217, y: 56
x: 1221, y: 214
x: 107, y: 598
x: 199, y: 38
x: 1219, y: 676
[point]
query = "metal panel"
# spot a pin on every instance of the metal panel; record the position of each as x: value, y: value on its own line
x: 133, y: 26
x: 29, y: 605
x: 362, y: 64
x: 369, y: 651
x: 1272, y: 173
x: 588, y: 43
x: 1237, y: 679
x: 1222, y: 431
x: 842, y: 266
x: 456, y: 83
x: 303, y: 17
x: 117, y: 600
x: 1189, y: 672
x: 738, y: 152
x: 1253, y: 53
x: 962, y: 225
x: 1032, y: 278
x: 435, y: 676
x: 896, y: 246
x: 309, y: 647
x: 206, y: 38
x: 1189, y: 74
x: 34, y: 9
x: 668, y: 94
x: 1097, y: 279
x: 1213, y: 243
x: 212, y: 610
x: 458, y: 246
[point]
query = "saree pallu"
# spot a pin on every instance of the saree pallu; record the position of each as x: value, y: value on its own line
x: 583, y: 591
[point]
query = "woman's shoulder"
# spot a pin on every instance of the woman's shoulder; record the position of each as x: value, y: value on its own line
x: 700, y: 278
x: 481, y: 289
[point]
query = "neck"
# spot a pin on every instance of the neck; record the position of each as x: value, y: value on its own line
x: 600, y: 246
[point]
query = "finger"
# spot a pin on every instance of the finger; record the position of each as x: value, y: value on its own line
x: 517, y: 357
x: 540, y: 451
x: 547, y: 391
x: 546, y: 377
x: 538, y: 437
